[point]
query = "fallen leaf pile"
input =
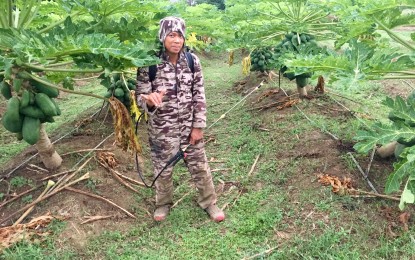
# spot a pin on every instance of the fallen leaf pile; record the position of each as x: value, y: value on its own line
x: 13, y: 234
x: 267, y: 94
x: 397, y: 221
x: 340, y: 187
x: 107, y: 158
x: 289, y: 103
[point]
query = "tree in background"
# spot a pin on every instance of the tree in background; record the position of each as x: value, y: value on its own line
x: 220, y: 4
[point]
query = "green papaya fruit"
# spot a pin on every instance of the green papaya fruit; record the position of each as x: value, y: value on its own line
x: 119, y: 92
x: 12, y: 120
x: 42, y: 88
x: 31, y: 129
x: 17, y: 84
x: 32, y: 111
x: 25, y: 99
x: 45, y: 103
x: 5, y: 90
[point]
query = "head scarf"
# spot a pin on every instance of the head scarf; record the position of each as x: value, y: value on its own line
x: 171, y: 24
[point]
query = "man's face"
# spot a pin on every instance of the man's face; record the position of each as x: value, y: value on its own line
x: 174, y: 42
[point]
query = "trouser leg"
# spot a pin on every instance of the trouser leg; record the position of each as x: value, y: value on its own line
x: 196, y: 162
x: 160, y: 154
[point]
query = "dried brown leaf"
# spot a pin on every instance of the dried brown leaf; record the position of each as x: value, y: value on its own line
x: 13, y: 234
x: 107, y: 158
x: 289, y: 103
x: 338, y: 186
x: 267, y: 94
x: 404, y: 218
x: 125, y: 136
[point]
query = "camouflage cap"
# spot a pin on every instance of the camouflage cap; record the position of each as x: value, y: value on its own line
x: 171, y: 24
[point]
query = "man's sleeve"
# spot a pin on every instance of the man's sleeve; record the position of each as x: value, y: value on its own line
x: 143, y: 87
x: 199, y: 99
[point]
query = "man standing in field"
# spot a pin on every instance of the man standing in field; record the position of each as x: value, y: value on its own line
x: 176, y: 105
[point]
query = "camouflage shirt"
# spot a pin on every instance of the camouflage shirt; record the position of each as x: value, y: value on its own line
x: 184, y: 104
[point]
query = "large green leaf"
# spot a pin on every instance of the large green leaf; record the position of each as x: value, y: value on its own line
x: 102, y: 50
x: 408, y: 194
x: 401, y: 170
x: 357, y: 63
x: 381, y: 134
x: 401, y: 109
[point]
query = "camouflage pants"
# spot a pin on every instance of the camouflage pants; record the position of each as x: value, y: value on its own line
x: 196, y: 162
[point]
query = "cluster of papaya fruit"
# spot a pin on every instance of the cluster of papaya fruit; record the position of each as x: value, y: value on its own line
x: 121, y: 89
x: 32, y: 105
x: 294, y: 42
x: 261, y: 59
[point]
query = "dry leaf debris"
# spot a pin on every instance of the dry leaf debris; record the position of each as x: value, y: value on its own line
x: 107, y: 158
x: 340, y: 187
x: 13, y: 234
x: 125, y: 136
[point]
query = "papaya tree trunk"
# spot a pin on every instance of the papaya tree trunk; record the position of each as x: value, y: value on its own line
x: 302, y: 91
x: 50, y: 158
x: 387, y: 150
x: 302, y: 85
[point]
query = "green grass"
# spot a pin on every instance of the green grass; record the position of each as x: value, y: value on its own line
x: 281, y: 196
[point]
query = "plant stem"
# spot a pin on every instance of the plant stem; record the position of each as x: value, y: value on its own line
x: 57, y: 23
x: 64, y: 89
x: 63, y: 70
x: 84, y: 177
x: 3, y: 15
x: 25, y: 14
x: 393, y: 35
x: 31, y: 17
x: 363, y: 173
x: 59, y: 64
x: 400, y: 77
x: 10, y: 14
x: 378, y: 195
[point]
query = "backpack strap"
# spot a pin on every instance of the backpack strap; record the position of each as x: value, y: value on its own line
x: 152, y: 70
x: 190, y: 61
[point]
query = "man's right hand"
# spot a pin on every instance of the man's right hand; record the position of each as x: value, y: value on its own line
x: 154, y: 99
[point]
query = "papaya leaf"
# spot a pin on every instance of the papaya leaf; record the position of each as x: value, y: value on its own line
x: 382, y: 134
x: 400, y: 110
x: 401, y: 169
x: 408, y: 194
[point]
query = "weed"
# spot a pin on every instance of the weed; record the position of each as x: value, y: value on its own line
x: 91, y: 184
x: 27, y: 199
x: 19, y: 181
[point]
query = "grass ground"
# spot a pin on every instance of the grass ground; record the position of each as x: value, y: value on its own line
x: 276, y: 211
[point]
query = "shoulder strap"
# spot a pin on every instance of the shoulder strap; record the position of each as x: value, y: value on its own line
x: 152, y: 70
x: 190, y: 61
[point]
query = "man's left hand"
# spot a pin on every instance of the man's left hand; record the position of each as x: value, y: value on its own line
x: 196, y: 135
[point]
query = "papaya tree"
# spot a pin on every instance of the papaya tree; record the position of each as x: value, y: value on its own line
x: 44, y: 44
x: 363, y: 54
x: 263, y: 27
x: 400, y: 131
